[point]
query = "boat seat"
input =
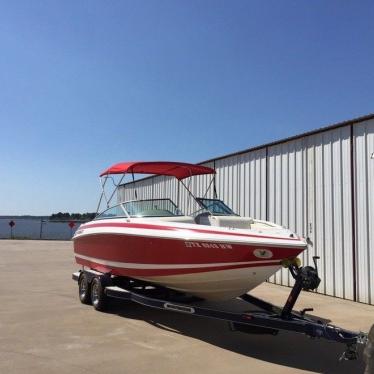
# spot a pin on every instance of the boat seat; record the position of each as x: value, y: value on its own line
x: 179, y: 219
x: 231, y: 221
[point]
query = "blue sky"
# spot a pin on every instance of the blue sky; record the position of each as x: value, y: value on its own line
x: 85, y: 84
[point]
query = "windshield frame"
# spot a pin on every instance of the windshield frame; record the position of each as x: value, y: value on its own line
x: 125, y: 214
x: 229, y: 211
x: 178, y: 213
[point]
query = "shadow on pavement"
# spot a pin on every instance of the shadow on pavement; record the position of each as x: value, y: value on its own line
x: 287, y: 349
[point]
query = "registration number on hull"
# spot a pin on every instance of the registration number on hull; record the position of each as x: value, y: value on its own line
x: 207, y: 245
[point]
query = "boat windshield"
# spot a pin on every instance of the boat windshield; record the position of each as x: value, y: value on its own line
x: 215, y: 207
x: 113, y: 212
x: 151, y: 208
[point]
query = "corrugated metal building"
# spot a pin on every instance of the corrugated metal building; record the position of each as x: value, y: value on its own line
x: 318, y: 184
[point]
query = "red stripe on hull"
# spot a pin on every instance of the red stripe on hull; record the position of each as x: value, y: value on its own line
x: 135, y: 249
x: 161, y: 272
x: 171, y: 228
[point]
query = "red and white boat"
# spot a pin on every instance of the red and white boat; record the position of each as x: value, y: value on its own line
x: 213, y: 254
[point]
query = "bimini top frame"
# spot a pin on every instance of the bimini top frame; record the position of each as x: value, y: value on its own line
x: 179, y: 170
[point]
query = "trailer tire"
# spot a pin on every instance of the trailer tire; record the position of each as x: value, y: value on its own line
x: 98, y: 297
x: 84, y: 289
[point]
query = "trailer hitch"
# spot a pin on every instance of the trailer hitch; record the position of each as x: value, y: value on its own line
x: 351, y: 353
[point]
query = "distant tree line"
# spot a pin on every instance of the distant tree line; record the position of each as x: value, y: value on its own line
x: 72, y: 216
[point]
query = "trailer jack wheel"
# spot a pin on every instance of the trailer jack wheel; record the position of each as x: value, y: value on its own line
x: 98, y: 297
x: 84, y: 289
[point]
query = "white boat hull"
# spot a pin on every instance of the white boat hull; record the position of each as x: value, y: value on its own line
x: 210, y: 262
x: 217, y: 285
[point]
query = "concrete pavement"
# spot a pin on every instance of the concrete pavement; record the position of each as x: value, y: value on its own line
x: 45, y: 329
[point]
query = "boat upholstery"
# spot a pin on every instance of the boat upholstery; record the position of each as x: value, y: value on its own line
x: 180, y: 219
x: 231, y: 221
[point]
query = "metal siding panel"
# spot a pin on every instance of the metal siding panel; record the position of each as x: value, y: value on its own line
x: 343, y: 219
x: 235, y: 185
x: 182, y: 196
x: 243, y: 193
x: 346, y: 223
x: 339, y: 246
x: 185, y: 196
x: 328, y: 246
x: 263, y: 162
x: 327, y: 223
x: 241, y: 183
x: 278, y: 198
x: 319, y: 224
x: 291, y: 198
x: 292, y: 192
x: 287, y: 192
x: 300, y: 186
x: 364, y: 172
x: 121, y: 195
x: 252, y: 186
x: 311, y: 197
x: 227, y: 176
x: 207, y: 182
x: 257, y: 187
x: 370, y: 227
x: 337, y: 213
x: 220, y: 178
x: 271, y: 198
x: 274, y: 191
x: 305, y: 199
x: 300, y: 192
x: 285, y: 212
x: 247, y: 190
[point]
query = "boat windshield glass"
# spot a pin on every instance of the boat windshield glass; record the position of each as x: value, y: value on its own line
x: 215, y: 206
x: 152, y: 208
x: 113, y: 212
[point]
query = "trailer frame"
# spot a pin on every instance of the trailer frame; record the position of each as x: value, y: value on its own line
x: 269, y: 319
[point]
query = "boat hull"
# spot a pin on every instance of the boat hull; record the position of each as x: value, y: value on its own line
x: 207, y: 263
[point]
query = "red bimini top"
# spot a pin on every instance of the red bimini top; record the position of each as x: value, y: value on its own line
x: 179, y: 170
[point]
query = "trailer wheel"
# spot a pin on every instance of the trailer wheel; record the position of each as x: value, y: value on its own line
x: 98, y: 297
x: 84, y: 289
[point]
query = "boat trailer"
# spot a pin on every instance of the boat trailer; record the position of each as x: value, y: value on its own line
x: 95, y: 288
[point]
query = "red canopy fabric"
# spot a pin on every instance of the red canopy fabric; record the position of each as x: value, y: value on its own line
x: 179, y: 170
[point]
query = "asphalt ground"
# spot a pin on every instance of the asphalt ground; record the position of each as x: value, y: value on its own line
x: 45, y: 329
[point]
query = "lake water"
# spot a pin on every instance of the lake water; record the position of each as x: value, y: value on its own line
x: 29, y: 228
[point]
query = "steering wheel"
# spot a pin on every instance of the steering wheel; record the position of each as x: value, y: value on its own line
x: 202, y: 215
